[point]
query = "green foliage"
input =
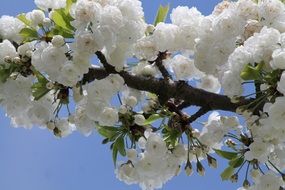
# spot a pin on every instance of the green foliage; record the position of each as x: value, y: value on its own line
x: 62, y: 19
x: 39, y: 88
x: 6, y: 70
x: 111, y: 133
x: 152, y: 119
x: 236, y: 162
x: 22, y: 17
x: 115, y: 135
x: 171, y: 135
x: 225, y: 154
x: 118, y: 146
x: 250, y: 72
x: 29, y: 34
x: 161, y: 14
x: 227, y: 173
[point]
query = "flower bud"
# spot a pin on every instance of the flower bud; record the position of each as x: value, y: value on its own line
x: 57, y: 41
x: 49, y: 85
x: 8, y: 59
x: 37, y: 17
x: 200, y: 169
x: 139, y: 119
x: 150, y: 28
x: 230, y: 143
x: 17, y: 60
x: 234, y: 178
x: 188, y: 168
x: 51, y: 125
x: 123, y: 109
x: 47, y: 22
x: 212, y: 161
x: 131, y: 101
x: 246, y: 184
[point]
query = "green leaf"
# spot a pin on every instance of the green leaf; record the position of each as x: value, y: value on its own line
x: 38, y: 91
x: 251, y: 73
x: 68, y: 6
x: 22, y: 17
x: 108, y: 132
x: 120, y: 145
x: 152, y: 119
x: 62, y: 20
x: 39, y: 88
x: 236, y: 162
x: 4, y: 75
x: 29, y: 34
x: 114, y: 155
x: 227, y: 173
x: 226, y: 154
x: 161, y: 14
x: 61, y: 31
x: 6, y: 70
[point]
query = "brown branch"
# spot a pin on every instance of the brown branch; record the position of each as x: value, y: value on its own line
x: 192, y: 96
x: 202, y: 111
x: 166, y: 90
x: 109, y: 68
x: 159, y: 63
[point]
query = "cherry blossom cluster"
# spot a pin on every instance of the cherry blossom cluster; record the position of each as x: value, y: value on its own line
x: 47, y: 54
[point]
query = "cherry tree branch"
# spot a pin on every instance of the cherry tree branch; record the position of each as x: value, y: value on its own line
x: 159, y: 63
x: 166, y: 90
x: 202, y: 111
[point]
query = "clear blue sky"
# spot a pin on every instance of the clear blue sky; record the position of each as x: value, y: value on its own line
x: 35, y: 160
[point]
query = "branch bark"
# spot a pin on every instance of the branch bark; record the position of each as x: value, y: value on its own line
x: 165, y: 90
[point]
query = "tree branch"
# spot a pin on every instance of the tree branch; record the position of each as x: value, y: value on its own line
x: 199, y: 113
x: 165, y: 90
x: 159, y: 63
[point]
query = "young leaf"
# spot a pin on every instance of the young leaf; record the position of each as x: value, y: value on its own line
x: 227, y: 173
x: 57, y: 30
x: 39, y: 88
x: 68, y: 6
x: 251, y: 73
x: 6, y: 71
x: 22, y: 17
x: 108, y: 132
x: 39, y: 91
x: 114, y: 155
x: 151, y: 119
x: 62, y: 20
x: 120, y: 145
x: 236, y: 162
x: 161, y: 14
x: 29, y: 34
x: 4, y: 75
x: 226, y: 154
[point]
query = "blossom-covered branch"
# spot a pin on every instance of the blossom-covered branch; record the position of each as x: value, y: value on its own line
x: 147, y: 74
x: 166, y: 90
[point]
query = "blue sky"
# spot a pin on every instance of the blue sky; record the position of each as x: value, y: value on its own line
x: 34, y: 159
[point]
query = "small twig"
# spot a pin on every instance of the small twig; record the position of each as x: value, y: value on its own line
x: 202, y: 111
x: 109, y: 68
x: 159, y: 63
